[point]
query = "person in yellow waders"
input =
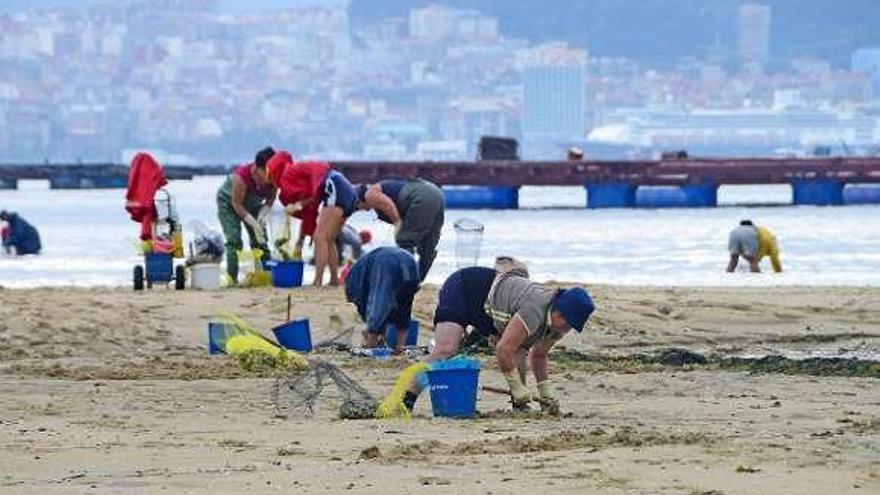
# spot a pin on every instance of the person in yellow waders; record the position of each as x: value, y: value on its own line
x: 753, y: 243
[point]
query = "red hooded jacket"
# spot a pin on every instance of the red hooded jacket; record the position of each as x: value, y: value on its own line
x: 144, y: 179
x: 299, y: 181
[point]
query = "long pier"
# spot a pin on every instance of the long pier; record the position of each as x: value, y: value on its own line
x: 91, y: 175
x: 677, y: 182
x: 686, y: 182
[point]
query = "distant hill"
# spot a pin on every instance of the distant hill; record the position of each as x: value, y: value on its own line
x: 660, y: 32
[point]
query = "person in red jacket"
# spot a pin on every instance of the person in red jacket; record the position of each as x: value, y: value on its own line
x: 303, y: 188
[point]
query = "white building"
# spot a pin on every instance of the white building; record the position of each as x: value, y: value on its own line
x: 432, y: 22
x: 754, y: 33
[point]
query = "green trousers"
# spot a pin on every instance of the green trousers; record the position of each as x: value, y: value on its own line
x: 421, y: 205
x: 231, y: 224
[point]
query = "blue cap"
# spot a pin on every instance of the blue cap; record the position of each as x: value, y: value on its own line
x: 576, y: 306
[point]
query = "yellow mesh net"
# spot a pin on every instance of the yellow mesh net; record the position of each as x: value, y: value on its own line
x: 241, y: 341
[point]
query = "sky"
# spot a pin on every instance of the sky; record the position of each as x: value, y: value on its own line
x: 226, y: 6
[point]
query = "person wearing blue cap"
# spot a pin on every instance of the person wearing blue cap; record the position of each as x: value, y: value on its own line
x: 526, y: 317
x: 461, y: 304
x: 530, y: 319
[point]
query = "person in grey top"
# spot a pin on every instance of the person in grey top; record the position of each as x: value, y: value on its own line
x: 743, y: 241
x: 416, y: 209
x: 530, y: 318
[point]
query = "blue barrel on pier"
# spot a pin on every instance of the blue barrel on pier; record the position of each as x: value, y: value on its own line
x: 482, y: 197
x: 75, y: 181
x: 691, y: 196
x: 861, y: 194
x: 611, y: 195
x: 64, y: 181
x: 817, y: 192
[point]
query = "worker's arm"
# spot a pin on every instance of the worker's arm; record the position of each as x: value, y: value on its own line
x: 298, y: 247
x: 774, y: 259
x: 538, y: 359
x: 515, y: 334
x: 378, y: 200
x: 239, y: 191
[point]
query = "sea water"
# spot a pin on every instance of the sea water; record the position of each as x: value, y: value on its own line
x: 89, y: 240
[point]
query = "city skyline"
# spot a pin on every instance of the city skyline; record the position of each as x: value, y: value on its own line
x: 95, y: 84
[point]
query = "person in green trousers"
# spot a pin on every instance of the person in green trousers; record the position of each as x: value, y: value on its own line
x: 246, y: 196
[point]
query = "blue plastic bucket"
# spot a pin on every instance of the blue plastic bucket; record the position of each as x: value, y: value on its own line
x: 287, y: 274
x: 412, y: 336
x: 295, y: 335
x: 216, y: 337
x: 454, y: 391
x: 159, y: 267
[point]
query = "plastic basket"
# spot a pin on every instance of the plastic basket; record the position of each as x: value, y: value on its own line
x: 159, y: 267
x: 287, y: 274
x: 217, y: 335
x: 412, y: 336
x: 468, y: 242
x: 296, y: 335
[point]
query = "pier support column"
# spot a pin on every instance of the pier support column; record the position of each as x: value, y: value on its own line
x: 482, y: 197
x: 109, y: 182
x: 861, y: 194
x: 611, y: 195
x: 8, y: 184
x: 817, y: 192
x: 66, y: 181
x: 691, y: 196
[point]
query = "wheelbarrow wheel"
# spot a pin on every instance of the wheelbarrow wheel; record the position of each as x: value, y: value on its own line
x: 179, y: 278
x: 138, y: 277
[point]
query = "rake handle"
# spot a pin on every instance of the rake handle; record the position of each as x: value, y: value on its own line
x: 495, y: 390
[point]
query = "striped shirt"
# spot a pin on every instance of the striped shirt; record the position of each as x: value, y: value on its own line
x: 512, y: 295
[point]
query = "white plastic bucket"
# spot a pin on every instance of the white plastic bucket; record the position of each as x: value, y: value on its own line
x: 205, y: 275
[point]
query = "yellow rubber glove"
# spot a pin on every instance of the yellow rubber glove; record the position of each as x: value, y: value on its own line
x: 544, y: 389
x: 519, y: 394
x: 297, y: 254
x: 549, y: 404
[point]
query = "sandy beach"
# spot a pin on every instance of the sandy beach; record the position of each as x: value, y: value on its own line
x: 108, y: 391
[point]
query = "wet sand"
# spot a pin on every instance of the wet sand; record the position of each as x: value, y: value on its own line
x: 106, y: 391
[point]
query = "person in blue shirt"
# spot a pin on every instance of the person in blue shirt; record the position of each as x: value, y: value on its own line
x: 20, y: 237
x: 382, y: 285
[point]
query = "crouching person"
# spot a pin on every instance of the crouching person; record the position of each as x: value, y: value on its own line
x: 531, y: 319
x: 526, y: 318
x: 382, y: 285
